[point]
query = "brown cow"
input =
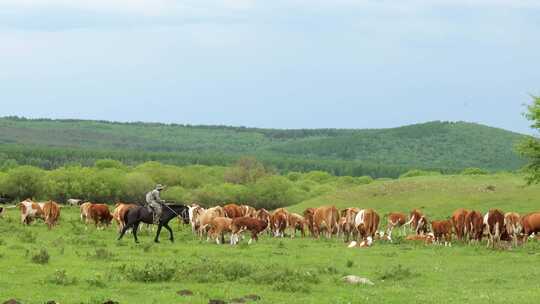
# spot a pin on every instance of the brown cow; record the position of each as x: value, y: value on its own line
x: 366, y: 223
x: 119, y: 213
x: 100, y: 214
x: 442, y: 229
x: 325, y: 219
x: 347, y: 227
x: 458, y: 222
x: 414, y: 218
x: 297, y: 222
x: 84, y: 211
x: 426, y: 238
x: 263, y: 214
x: 233, y: 211
x: 206, y: 217
x: 240, y: 224
x: 394, y: 219
x: 218, y: 226
x: 474, y: 226
x: 308, y: 216
x: 51, y: 213
x: 279, y: 221
x: 30, y: 210
x: 512, y: 223
x: 531, y: 223
x: 494, y: 222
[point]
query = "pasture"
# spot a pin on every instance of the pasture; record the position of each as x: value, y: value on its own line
x: 90, y: 266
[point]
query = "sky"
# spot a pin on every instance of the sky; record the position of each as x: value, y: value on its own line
x: 271, y: 64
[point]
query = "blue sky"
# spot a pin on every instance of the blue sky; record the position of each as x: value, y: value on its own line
x: 278, y: 64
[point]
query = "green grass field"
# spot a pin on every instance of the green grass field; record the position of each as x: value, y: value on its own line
x: 90, y: 266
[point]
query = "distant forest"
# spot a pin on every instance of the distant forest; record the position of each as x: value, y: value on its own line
x: 440, y: 146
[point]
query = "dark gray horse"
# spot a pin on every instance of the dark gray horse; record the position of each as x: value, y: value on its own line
x: 141, y: 214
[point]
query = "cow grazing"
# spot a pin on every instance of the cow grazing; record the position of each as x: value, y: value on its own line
x: 458, y: 222
x: 84, y: 208
x: 414, y: 218
x: 51, y: 213
x: 512, y: 223
x: 279, y: 221
x: 394, y: 219
x: 442, y: 229
x: 422, y: 225
x: 218, y: 226
x: 308, y: 216
x: 366, y: 223
x: 347, y: 226
x: 474, y: 226
x: 240, y: 224
x: 531, y: 223
x: 494, y: 223
x: 119, y: 213
x: 297, y: 222
x: 100, y: 214
x: 233, y: 211
x: 325, y: 219
x: 30, y: 210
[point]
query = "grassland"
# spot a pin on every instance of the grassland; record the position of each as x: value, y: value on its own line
x: 90, y: 266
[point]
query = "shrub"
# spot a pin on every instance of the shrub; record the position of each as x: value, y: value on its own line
x: 42, y: 257
x: 150, y: 272
x: 101, y: 254
x: 396, y: 273
x: 474, y: 171
x: 60, y: 277
x: 97, y: 280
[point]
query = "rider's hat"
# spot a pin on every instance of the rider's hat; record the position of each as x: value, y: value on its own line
x: 160, y: 187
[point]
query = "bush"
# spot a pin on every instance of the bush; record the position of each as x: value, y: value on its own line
x: 150, y: 272
x: 42, y: 257
x: 60, y: 277
x: 416, y: 172
x: 97, y: 280
x: 474, y: 171
x: 396, y: 273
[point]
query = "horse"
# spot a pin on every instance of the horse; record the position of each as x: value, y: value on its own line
x: 140, y: 214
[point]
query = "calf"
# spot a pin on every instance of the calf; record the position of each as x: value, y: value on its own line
x: 474, y: 226
x: 74, y: 202
x: 531, y: 223
x: 512, y: 223
x: 347, y: 227
x: 458, y: 222
x: 279, y: 221
x: 426, y: 238
x: 30, y: 210
x: 240, y: 224
x: 442, y: 229
x: 218, y: 226
x: 100, y: 214
x: 51, y: 213
x: 325, y: 219
x: 395, y: 219
x: 206, y: 218
x: 297, y: 222
x: 494, y: 222
x: 366, y: 223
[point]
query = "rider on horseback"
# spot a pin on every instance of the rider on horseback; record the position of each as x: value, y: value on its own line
x: 155, y: 202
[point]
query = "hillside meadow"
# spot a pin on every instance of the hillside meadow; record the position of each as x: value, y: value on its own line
x: 75, y: 264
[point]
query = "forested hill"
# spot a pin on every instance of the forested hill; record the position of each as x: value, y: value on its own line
x: 445, y: 146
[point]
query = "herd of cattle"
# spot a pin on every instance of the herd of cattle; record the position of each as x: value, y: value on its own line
x: 360, y: 225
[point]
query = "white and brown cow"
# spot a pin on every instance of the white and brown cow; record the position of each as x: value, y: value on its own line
x: 512, y: 223
x: 442, y: 229
x: 51, y: 213
x: 394, y: 219
x: 531, y: 223
x: 414, y: 218
x: 347, y: 222
x: 325, y: 219
x: 84, y: 209
x: 474, y: 226
x: 297, y: 223
x: 206, y: 218
x: 494, y: 223
x: 30, y: 210
x: 279, y: 221
x: 458, y: 222
x: 366, y: 223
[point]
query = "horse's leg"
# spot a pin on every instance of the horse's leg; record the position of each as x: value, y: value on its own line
x: 158, y: 232
x: 134, y: 231
x: 124, y: 229
x: 171, y: 237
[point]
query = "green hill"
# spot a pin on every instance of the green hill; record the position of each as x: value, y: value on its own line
x: 444, y: 146
x: 438, y: 195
